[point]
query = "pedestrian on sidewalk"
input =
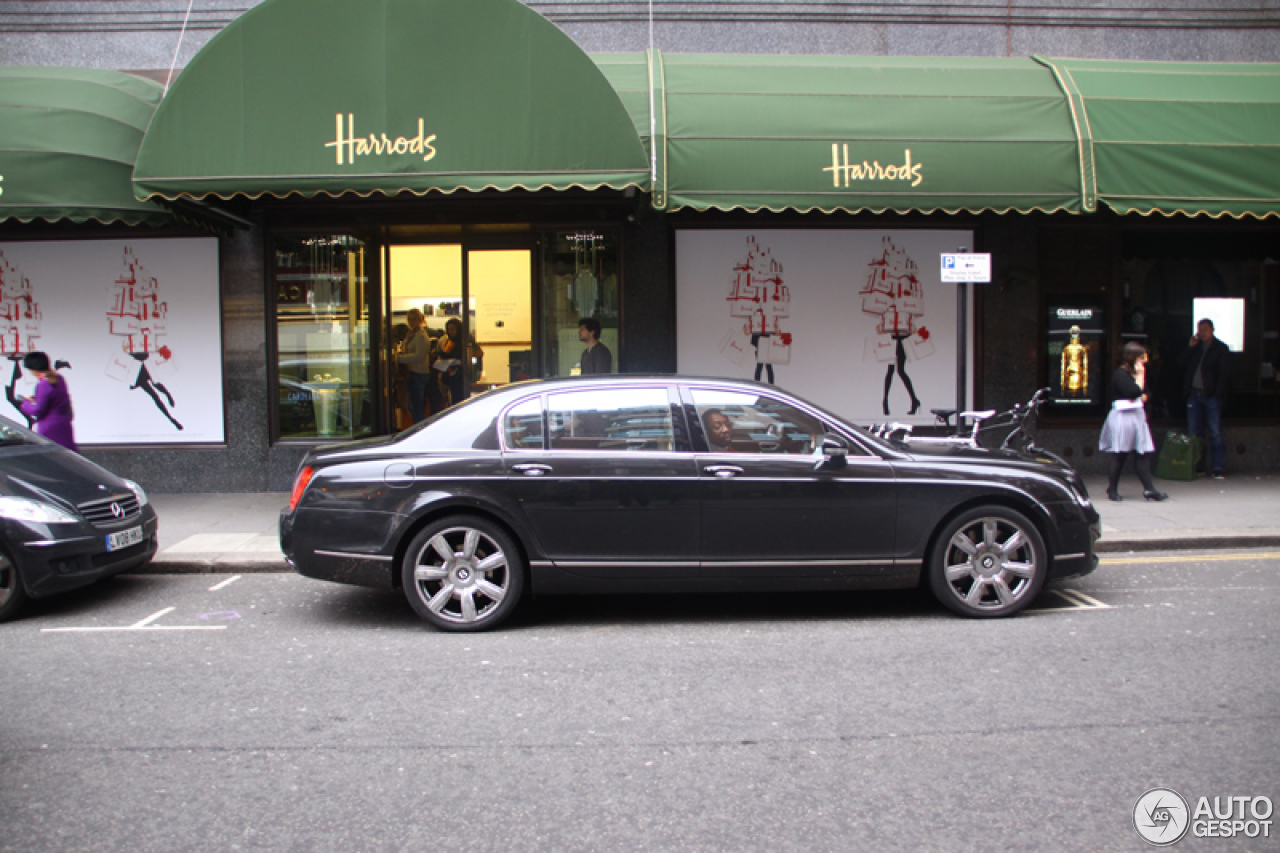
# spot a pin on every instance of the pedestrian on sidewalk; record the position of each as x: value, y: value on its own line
x: 1125, y: 432
x: 50, y: 408
x: 1208, y: 371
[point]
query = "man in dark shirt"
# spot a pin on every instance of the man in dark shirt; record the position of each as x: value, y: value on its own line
x: 596, y: 358
x: 1205, y: 383
x: 719, y: 431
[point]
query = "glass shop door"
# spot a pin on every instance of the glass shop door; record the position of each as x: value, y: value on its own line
x: 474, y: 307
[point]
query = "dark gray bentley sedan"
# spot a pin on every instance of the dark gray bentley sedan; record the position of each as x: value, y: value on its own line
x: 631, y: 483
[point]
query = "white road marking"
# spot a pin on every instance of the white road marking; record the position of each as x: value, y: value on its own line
x: 226, y: 582
x: 153, y: 617
x: 1190, y: 558
x: 131, y: 628
x: 144, y: 625
x: 1077, y: 599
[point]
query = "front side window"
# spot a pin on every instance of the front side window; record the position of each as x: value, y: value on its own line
x: 746, y: 422
x: 322, y: 338
x: 634, y: 419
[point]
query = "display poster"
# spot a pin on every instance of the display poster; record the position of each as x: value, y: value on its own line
x: 1076, y: 361
x: 857, y: 321
x: 135, y: 326
x: 1227, y: 316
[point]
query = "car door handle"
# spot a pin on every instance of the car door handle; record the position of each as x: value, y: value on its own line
x: 724, y: 472
x: 532, y: 469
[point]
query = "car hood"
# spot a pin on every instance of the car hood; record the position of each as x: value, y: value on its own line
x: 1033, y: 459
x: 51, y: 473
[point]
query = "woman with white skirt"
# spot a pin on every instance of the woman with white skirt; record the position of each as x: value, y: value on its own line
x: 1125, y: 431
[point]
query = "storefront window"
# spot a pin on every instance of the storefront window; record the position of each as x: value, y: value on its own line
x: 1168, y: 286
x: 322, y: 338
x: 579, y: 281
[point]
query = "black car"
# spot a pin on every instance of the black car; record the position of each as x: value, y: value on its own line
x: 64, y: 521
x: 611, y: 484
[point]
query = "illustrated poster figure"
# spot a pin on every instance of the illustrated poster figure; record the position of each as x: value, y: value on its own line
x: 20, y: 326
x: 1075, y: 367
x: 892, y: 294
x: 756, y: 293
x: 139, y: 317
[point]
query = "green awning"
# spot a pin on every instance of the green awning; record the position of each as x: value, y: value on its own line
x: 386, y: 96
x: 1178, y: 137
x: 827, y: 133
x: 68, y: 141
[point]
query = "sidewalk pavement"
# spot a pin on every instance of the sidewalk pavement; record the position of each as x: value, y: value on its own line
x: 238, y: 532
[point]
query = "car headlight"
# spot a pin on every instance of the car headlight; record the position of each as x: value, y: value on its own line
x: 137, y: 492
x: 37, y: 512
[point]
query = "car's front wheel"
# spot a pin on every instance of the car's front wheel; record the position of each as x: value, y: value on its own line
x: 990, y: 561
x: 463, y: 573
x: 12, y: 592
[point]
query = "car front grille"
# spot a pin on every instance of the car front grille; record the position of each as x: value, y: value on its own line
x: 112, y: 510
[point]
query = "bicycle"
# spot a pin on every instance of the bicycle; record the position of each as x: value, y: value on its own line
x: 976, y: 428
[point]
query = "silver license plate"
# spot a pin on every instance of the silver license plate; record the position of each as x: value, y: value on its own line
x: 123, y: 539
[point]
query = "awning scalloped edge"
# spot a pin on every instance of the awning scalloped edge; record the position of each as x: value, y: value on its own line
x: 157, y: 219
x: 677, y: 205
x: 1127, y: 209
x: 390, y: 193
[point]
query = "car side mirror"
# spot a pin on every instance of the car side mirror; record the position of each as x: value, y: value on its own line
x: 835, y: 453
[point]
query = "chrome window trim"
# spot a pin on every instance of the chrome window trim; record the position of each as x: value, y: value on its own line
x: 709, y: 564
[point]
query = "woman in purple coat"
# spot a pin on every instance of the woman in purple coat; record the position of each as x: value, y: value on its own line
x: 51, y: 406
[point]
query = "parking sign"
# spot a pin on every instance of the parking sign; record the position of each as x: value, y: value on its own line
x: 970, y: 267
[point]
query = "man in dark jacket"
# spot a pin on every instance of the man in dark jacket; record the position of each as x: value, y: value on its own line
x: 596, y: 358
x: 1208, y: 372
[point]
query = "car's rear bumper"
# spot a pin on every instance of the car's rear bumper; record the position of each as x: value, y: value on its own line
x: 338, y: 562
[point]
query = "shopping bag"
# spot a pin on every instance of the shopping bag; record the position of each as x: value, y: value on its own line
x: 733, y: 346
x: 774, y: 349
x: 1178, y: 457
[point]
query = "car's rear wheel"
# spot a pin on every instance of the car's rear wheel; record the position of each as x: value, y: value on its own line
x: 990, y: 561
x: 12, y: 592
x: 463, y: 573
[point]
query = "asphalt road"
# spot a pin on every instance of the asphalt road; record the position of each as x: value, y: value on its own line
x: 271, y: 712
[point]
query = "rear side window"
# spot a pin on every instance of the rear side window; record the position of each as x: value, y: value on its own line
x: 522, y: 427
x: 617, y: 419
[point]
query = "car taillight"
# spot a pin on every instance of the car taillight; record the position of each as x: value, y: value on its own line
x: 300, y: 486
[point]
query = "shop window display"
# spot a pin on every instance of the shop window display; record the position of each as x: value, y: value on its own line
x: 1163, y: 288
x: 579, y: 280
x: 322, y: 338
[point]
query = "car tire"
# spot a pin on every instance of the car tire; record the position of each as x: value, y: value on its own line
x: 988, y: 562
x: 463, y: 573
x: 12, y: 593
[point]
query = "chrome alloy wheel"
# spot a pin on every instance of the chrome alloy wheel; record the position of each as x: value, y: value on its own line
x: 461, y: 575
x: 993, y: 564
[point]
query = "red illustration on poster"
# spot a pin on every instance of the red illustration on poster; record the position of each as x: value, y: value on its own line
x: 19, y: 326
x: 138, y: 316
x: 893, y: 295
x: 757, y: 294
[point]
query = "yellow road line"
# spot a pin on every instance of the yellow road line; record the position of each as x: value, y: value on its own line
x: 1190, y: 558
